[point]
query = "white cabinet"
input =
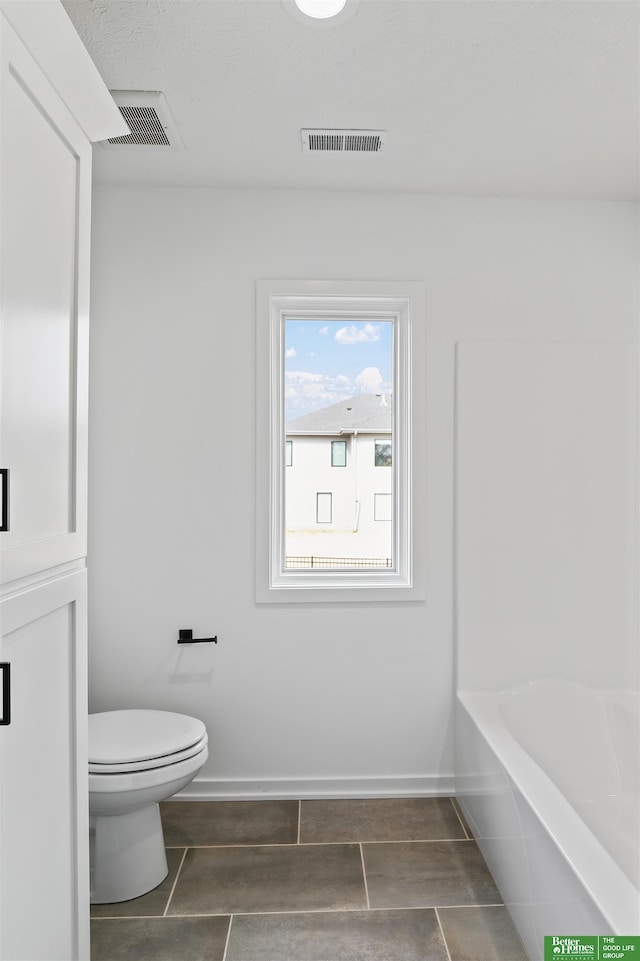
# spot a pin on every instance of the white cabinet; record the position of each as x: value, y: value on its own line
x: 46, y: 195
x: 53, y: 105
x: 44, y: 829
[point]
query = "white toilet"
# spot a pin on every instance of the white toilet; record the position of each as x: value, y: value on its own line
x: 136, y: 760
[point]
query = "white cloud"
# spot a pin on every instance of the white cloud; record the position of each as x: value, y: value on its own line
x: 302, y: 377
x: 323, y: 330
x: 305, y: 391
x: 358, y: 335
x: 369, y: 380
x: 290, y: 353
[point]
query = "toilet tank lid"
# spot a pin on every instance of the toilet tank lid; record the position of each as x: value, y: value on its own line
x: 116, y: 737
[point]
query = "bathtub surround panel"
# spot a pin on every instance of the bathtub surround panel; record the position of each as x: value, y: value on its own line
x: 546, y: 514
x: 296, y: 701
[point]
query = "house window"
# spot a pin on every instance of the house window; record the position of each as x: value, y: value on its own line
x: 288, y: 456
x: 382, y: 507
x: 338, y: 453
x: 382, y: 453
x: 323, y: 508
x: 349, y: 354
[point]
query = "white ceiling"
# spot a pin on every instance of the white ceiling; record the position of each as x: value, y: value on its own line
x: 486, y: 97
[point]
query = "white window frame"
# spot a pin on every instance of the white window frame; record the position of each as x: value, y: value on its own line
x: 402, y: 302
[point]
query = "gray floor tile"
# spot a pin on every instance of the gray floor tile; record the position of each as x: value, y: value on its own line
x: 427, y: 874
x: 227, y: 880
x: 149, y: 904
x: 159, y: 939
x: 392, y: 819
x: 189, y: 823
x: 486, y: 933
x: 337, y: 936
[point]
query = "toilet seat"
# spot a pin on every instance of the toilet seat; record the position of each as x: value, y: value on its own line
x: 96, y: 767
x: 123, y: 742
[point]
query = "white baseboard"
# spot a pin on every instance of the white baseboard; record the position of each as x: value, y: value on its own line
x: 247, y: 789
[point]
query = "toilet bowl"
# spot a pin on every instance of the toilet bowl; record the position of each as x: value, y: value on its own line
x: 136, y: 759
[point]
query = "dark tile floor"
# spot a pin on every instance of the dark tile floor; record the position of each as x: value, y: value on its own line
x: 374, y: 880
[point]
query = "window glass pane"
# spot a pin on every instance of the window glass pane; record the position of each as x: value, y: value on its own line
x: 338, y: 380
x: 338, y: 453
x: 382, y: 453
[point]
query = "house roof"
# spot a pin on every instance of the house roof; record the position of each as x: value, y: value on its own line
x: 364, y: 412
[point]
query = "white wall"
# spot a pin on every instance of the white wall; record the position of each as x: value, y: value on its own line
x: 349, y: 698
x: 358, y: 481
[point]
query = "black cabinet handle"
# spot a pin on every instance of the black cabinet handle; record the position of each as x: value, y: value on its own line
x: 5, y: 667
x: 4, y: 493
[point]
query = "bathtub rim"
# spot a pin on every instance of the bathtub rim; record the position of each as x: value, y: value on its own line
x: 615, y: 895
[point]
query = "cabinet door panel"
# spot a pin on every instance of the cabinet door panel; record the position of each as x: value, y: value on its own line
x: 45, y: 221
x: 44, y: 880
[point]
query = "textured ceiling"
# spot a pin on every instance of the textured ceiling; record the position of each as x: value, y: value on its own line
x: 514, y: 97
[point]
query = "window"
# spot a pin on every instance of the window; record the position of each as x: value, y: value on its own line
x: 382, y: 453
x: 338, y: 453
x: 382, y: 507
x: 376, y: 417
x: 324, y: 506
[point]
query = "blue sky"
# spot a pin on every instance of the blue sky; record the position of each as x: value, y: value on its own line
x: 329, y: 360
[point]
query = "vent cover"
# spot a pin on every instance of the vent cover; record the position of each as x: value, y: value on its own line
x: 326, y: 140
x: 147, y: 116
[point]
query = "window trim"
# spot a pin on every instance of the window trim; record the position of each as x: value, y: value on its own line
x: 402, y: 302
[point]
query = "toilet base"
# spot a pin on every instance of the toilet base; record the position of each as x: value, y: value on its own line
x: 127, y: 855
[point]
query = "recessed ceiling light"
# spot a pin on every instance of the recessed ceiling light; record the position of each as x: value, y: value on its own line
x: 321, y: 13
x: 320, y: 9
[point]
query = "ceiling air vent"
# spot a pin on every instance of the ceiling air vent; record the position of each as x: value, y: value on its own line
x: 147, y: 116
x: 343, y: 141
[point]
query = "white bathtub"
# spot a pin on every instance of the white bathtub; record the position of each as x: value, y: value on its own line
x: 547, y: 776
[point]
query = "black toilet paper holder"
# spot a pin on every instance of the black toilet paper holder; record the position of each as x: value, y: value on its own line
x: 185, y: 636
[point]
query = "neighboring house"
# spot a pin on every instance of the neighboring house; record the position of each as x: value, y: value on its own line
x: 338, y: 473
